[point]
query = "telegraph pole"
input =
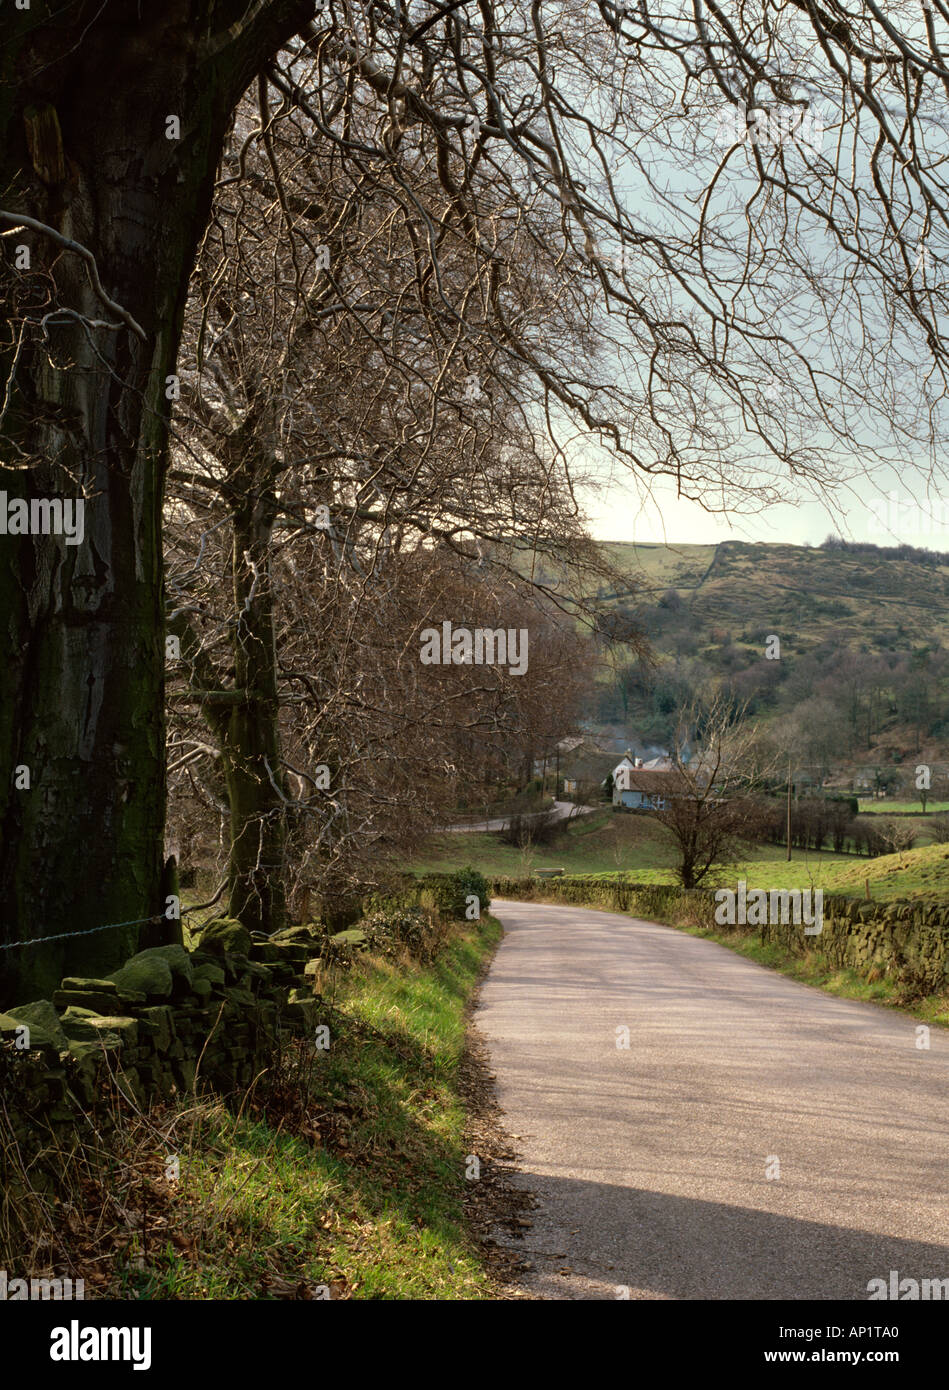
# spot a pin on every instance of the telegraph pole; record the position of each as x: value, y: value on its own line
x: 789, y: 808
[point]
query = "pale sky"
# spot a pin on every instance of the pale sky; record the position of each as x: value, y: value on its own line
x: 888, y: 513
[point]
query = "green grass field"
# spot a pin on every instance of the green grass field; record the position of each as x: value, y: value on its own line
x: 606, y: 842
x: 917, y: 873
x: 599, y: 843
x: 602, y: 843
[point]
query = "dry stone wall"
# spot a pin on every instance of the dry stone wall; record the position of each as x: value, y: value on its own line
x: 219, y: 1012
x: 149, y: 1027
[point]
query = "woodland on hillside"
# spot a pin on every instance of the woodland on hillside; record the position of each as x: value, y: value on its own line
x: 855, y: 688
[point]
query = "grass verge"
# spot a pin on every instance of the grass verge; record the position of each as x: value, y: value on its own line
x: 341, y: 1172
x: 365, y: 1198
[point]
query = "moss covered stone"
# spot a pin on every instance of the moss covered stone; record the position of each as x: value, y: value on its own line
x: 109, y: 1031
x: 43, y: 1022
x: 225, y: 935
x: 210, y: 972
x: 153, y: 973
x: 87, y: 999
x: 158, y: 1024
x: 150, y: 976
x: 296, y: 936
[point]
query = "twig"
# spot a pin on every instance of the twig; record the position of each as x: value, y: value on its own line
x: 18, y: 219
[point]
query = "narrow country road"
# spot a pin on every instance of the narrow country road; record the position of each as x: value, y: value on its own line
x: 651, y: 1163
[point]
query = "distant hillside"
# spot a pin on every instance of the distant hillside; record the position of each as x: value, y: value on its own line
x: 861, y: 595
x: 864, y: 642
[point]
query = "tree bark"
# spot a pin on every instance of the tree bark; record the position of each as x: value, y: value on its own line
x: 81, y: 681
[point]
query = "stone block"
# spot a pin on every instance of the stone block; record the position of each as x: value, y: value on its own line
x: 43, y: 1022
x: 224, y: 935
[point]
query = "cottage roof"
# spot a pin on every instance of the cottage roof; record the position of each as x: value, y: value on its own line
x: 642, y: 780
x: 586, y: 766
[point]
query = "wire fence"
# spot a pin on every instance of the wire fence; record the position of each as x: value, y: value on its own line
x: 91, y: 931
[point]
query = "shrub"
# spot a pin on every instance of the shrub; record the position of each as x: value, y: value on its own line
x: 387, y: 930
x: 896, y: 836
x: 450, y: 892
x: 867, y: 838
x: 446, y: 893
x: 541, y: 829
x: 938, y: 827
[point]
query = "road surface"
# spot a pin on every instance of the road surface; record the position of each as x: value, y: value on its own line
x: 651, y: 1164
x: 561, y: 810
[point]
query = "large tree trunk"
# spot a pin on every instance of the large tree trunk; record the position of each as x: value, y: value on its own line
x: 81, y: 679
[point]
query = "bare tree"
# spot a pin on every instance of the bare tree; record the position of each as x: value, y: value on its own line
x: 732, y: 314
x: 309, y: 435
x: 711, y: 807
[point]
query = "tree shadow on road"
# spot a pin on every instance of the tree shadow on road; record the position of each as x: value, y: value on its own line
x: 612, y: 1238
